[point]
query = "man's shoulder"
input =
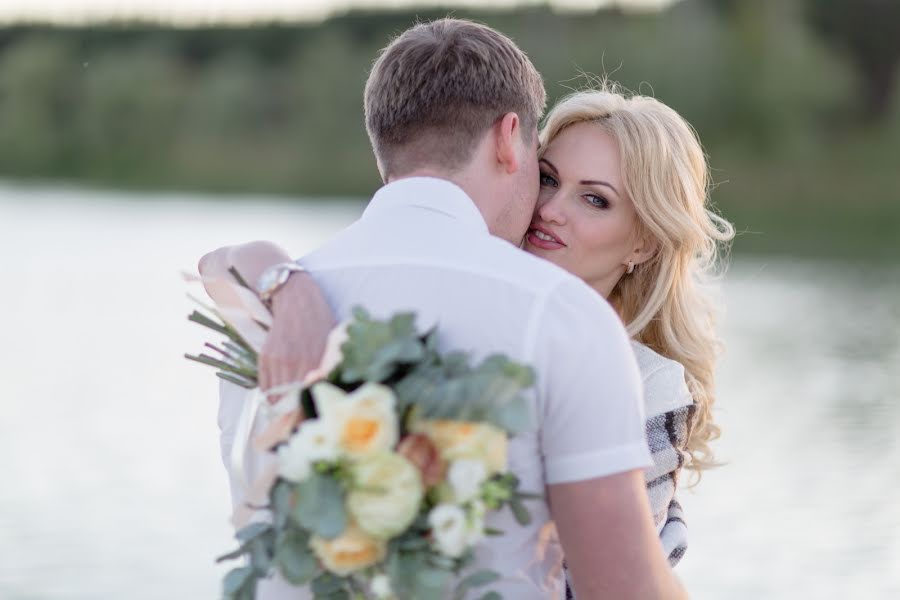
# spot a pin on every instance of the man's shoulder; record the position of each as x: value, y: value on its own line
x: 482, y: 258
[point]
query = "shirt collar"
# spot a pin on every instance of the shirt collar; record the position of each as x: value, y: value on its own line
x: 427, y: 194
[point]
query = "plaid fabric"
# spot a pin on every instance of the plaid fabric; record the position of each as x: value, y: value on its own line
x: 667, y: 436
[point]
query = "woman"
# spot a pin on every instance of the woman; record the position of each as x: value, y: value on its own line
x: 623, y: 205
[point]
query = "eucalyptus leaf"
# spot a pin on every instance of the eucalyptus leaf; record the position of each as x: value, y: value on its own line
x: 236, y: 580
x: 294, y: 557
x: 512, y: 416
x: 320, y: 505
x: 477, y: 579
x: 252, y: 531
x: 327, y: 584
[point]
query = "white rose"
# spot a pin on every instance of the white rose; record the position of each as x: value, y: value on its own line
x: 381, y: 587
x: 465, y: 477
x: 317, y: 441
x: 365, y: 421
x: 448, y: 526
x: 293, y: 465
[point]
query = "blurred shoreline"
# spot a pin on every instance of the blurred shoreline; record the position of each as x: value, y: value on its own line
x: 803, y: 152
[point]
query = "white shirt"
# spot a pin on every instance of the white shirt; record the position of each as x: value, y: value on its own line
x: 665, y: 388
x: 423, y: 246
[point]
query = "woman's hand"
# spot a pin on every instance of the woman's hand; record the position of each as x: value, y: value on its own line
x: 302, y: 319
x: 301, y: 322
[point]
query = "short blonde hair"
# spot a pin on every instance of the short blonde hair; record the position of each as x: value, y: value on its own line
x: 435, y: 90
x: 665, y: 303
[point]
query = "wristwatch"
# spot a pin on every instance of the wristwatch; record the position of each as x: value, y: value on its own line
x: 273, y: 278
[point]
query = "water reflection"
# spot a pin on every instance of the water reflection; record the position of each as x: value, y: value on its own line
x: 113, y: 486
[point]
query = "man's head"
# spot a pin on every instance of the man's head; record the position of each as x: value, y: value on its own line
x: 461, y: 101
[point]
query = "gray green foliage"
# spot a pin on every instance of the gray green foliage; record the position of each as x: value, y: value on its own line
x: 428, y: 383
x: 319, y: 505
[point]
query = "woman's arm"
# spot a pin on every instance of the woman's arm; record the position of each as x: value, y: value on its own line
x: 302, y: 318
x: 667, y: 435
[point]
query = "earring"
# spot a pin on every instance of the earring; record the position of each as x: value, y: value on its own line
x: 630, y: 269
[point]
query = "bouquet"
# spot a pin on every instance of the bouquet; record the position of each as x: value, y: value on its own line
x: 387, y: 459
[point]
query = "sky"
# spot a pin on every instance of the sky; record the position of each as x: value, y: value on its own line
x: 188, y: 12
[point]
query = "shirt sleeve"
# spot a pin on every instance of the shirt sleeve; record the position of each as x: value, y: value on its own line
x: 589, y: 387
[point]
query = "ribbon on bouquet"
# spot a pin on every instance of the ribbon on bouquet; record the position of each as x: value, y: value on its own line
x: 281, y: 416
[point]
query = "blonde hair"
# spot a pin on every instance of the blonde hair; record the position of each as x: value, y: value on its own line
x: 665, y: 303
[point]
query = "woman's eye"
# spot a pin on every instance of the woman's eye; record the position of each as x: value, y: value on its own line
x: 598, y: 201
x: 547, y: 180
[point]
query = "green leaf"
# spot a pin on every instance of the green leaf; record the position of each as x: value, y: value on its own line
x: 491, y: 596
x: 477, y: 579
x: 294, y: 557
x: 412, y: 577
x: 519, y: 511
x: 374, y: 350
x: 252, y: 531
x: 327, y: 584
x: 238, y: 582
x: 233, y: 554
x: 512, y: 416
x: 320, y: 505
x: 480, y: 578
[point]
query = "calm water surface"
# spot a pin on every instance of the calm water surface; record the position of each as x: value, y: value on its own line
x: 112, y: 486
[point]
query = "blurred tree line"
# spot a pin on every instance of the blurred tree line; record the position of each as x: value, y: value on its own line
x: 794, y: 100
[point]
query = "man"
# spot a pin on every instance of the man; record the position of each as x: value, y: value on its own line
x: 452, y: 109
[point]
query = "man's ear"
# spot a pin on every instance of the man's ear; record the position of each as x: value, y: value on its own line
x: 506, y: 134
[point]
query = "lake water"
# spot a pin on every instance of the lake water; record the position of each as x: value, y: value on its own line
x: 112, y: 486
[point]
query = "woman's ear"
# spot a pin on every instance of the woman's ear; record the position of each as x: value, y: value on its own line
x: 506, y: 134
x: 646, y: 248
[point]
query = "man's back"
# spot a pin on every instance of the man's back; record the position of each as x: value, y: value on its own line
x: 422, y: 246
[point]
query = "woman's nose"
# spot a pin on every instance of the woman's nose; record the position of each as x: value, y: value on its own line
x: 550, y: 209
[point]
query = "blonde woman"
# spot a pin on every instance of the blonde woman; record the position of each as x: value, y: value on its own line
x: 623, y: 204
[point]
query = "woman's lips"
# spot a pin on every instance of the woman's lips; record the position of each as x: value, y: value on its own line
x: 541, y: 238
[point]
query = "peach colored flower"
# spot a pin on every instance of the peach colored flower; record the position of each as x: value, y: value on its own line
x: 351, y: 551
x: 465, y: 439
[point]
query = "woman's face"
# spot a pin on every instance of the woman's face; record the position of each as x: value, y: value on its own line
x: 584, y: 222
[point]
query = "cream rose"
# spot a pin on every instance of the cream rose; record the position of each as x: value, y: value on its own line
x: 365, y: 420
x: 464, y: 439
x: 386, y: 493
x: 351, y: 551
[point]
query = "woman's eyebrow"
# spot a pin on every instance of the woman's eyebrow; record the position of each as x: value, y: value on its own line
x: 551, y: 165
x: 593, y: 182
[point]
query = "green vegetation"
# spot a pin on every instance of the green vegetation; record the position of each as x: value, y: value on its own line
x: 803, y: 141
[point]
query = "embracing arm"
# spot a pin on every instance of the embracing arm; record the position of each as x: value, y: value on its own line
x: 611, y: 546
x: 301, y: 317
x: 594, y: 449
